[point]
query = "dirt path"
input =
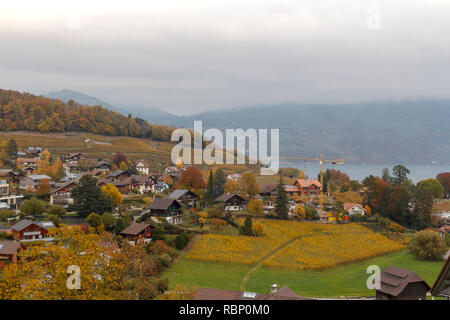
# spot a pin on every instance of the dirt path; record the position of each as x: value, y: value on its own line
x: 261, y: 261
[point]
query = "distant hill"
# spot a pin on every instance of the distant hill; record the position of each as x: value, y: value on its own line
x: 27, y: 112
x: 384, y: 132
x: 151, y: 114
x: 380, y: 132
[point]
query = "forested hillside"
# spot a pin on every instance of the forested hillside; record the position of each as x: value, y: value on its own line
x: 24, y: 111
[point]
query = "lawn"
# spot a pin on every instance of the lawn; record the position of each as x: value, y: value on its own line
x: 344, y: 280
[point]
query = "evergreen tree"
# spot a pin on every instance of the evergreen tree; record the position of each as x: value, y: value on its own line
x: 247, y: 228
x: 209, y: 195
x: 400, y: 174
x: 281, y: 202
x: 11, y: 149
x: 219, y: 181
x: 89, y: 198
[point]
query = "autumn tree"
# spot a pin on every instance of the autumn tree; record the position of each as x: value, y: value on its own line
x: 428, y: 245
x: 248, y: 184
x: 231, y: 187
x: 94, y: 220
x: 434, y: 186
x: 113, y: 193
x: 300, y: 212
x: 43, y: 188
x: 444, y: 180
x: 119, y: 157
x: 192, y: 178
x: 255, y: 206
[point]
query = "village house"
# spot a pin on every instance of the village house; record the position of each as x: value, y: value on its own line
x: 137, y: 232
x: 8, y: 252
x: 32, y: 181
x: 401, y: 284
x: 63, y: 194
x: 103, y: 166
x: 354, y: 208
x: 268, y: 190
x: 161, y: 187
x: 233, y: 202
x: 283, y: 293
x: 444, y: 230
x: 8, y: 201
x: 307, y: 187
x: 171, y: 170
x: 166, y: 208
x: 27, y: 230
x: 27, y: 162
x: 186, y: 197
x: 9, y: 175
x: 142, y: 167
x: 73, y: 158
x: 118, y: 175
x: 31, y: 152
x: 441, y: 287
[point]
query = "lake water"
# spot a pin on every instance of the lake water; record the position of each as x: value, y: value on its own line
x: 360, y: 171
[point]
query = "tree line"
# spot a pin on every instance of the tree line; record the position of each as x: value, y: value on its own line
x: 27, y: 112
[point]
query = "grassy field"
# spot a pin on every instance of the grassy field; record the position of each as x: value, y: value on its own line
x: 344, y: 280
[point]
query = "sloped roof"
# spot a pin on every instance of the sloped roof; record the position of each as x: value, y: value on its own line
x: 59, y: 187
x: 440, y: 286
x: 9, y: 247
x: 267, y: 188
x: 25, y: 223
x: 135, y: 229
x: 304, y: 183
x: 161, y: 203
x: 116, y: 173
x: 177, y: 194
x: 394, y: 280
x: 217, y: 294
x: 348, y: 206
x: 227, y: 196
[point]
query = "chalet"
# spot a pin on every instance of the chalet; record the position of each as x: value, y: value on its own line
x: 283, y: 293
x: 233, y: 202
x: 27, y: 230
x: 401, y: 284
x: 354, y: 208
x: 9, y: 175
x: 137, y: 232
x: 28, y: 170
x: 103, y: 166
x: 441, y: 287
x: 33, y: 152
x: 308, y: 187
x: 75, y: 177
x: 32, y: 181
x: 73, y: 158
x: 185, y: 197
x: 171, y: 170
x: 63, y: 193
x: 268, y: 190
x: 71, y: 167
x: 27, y: 162
x: 161, y: 187
x: 142, y: 167
x: 9, y: 251
x: 143, y: 183
x: 118, y: 175
x: 167, y: 208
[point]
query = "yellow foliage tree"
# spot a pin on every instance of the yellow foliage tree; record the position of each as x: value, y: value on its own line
x: 300, y: 212
x: 256, y: 206
x: 111, y: 191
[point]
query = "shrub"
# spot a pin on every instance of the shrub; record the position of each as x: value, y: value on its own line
x: 218, y: 223
x: 257, y: 229
x: 57, y: 211
x: 428, y: 245
x: 181, y: 241
x: 395, y: 227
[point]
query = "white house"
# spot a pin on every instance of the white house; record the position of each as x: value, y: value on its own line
x: 354, y: 208
x: 142, y: 167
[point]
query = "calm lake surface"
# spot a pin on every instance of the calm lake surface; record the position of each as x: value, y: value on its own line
x: 360, y: 171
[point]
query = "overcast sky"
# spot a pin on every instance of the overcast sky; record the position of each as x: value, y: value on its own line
x: 188, y: 56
